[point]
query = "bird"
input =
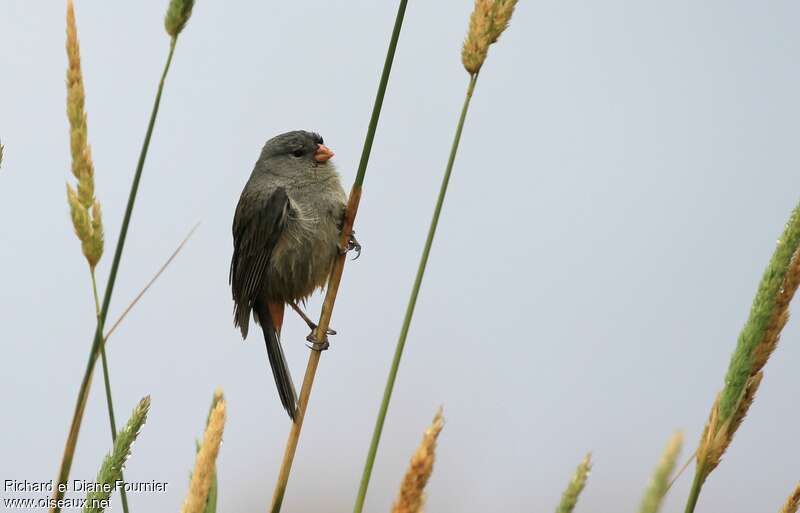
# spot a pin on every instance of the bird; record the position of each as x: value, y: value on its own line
x: 286, y: 236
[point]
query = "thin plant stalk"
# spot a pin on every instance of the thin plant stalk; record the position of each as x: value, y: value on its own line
x: 412, y: 302
x: 338, y: 268
x: 150, y: 283
x: 487, y: 22
x: 83, y: 392
x: 107, y: 385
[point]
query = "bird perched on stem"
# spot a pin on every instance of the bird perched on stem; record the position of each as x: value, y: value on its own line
x: 286, y: 233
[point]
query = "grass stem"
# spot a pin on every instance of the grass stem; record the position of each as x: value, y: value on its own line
x: 83, y: 392
x: 107, y: 384
x: 694, y: 493
x: 412, y: 302
x: 338, y: 268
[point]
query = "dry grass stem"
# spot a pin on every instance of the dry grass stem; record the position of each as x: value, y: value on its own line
x: 792, y: 504
x: 488, y: 20
x: 141, y: 293
x: 84, y: 208
x: 659, y: 483
x: 412, y: 497
x: 570, y: 496
x: 206, y: 461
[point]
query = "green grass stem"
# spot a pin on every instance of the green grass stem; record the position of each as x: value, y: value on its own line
x: 412, y: 302
x: 107, y: 384
x: 83, y: 392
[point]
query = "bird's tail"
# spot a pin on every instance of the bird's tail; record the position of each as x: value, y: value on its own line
x: 270, y: 317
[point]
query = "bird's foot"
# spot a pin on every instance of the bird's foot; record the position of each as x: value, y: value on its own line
x: 313, y: 326
x: 352, y: 245
x: 316, y: 345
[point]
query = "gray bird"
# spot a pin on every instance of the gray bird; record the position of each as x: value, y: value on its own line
x: 286, y: 233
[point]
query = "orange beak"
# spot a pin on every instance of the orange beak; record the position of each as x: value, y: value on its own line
x: 323, y: 154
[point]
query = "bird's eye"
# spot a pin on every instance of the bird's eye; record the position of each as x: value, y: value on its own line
x: 297, y: 153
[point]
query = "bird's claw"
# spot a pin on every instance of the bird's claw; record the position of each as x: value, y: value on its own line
x: 352, y: 245
x: 316, y: 345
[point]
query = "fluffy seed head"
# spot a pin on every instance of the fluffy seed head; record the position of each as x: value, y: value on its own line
x: 488, y: 20
x: 206, y: 461
x: 659, y: 482
x: 84, y: 208
x: 792, y: 504
x: 178, y: 14
x: 411, y: 497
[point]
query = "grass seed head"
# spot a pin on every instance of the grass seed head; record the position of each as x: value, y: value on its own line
x: 205, y: 462
x: 576, y: 485
x: 792, y: 504
x: 111, y: 469
x: 488, y: 21
x: 412, y: 497
x: 178, y: 14
x: 659, y: 482
x: 84, y: 208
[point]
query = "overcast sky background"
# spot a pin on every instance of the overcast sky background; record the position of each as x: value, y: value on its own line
x: 625, y: 171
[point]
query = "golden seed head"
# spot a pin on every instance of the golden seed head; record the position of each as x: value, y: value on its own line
x: 411, y: 497
x: 488, y: 21
x: 178, y: 14
x: 792, y: 504
x: 84, y: 208
x: 94, y: 250
x: 80, y: 218
x: 205, y: 463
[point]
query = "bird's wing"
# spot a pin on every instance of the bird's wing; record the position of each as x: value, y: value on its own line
x: 257, y: 226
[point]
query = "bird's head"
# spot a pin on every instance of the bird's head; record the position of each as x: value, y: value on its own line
x: 295, y: 151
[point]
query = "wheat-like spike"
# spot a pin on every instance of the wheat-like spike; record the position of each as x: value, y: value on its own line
x: 576, y: 485
x: 82, y: 166
x: 772, y: 333
x: 487, y: 22
x: 411, y: 497
x: 659, y: 482
x: 761, y: 352
x: 792, y: 504
x: 206, y: 461
x: 84, y: 208
x: 93, y: 248
x: 111, y: 469
x: 80, y: 219
x: 178, y: 14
